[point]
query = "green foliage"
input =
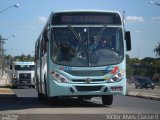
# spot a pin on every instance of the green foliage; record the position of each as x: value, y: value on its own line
x: 145, y: 67
x: 157, y: 50
x: 24, y: 58
x: 9, y: 59
x: 129, y: 70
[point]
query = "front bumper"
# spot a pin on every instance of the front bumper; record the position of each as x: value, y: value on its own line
x: 66, y: 89
x: 23, y: 82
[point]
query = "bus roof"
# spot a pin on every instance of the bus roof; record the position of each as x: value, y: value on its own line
x: 86, y: 10
x: 23, y: 63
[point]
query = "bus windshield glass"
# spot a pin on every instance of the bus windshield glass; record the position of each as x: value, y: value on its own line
x: 87, y: 46
x: 24, y: 67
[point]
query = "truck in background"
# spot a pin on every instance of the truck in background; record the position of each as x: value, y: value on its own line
x: 23, y: 74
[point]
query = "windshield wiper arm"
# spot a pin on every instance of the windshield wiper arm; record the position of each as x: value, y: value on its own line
x: 103, y: 28
x: 74, y: 32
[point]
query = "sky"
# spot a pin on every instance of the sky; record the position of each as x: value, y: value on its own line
x: 26, y: 22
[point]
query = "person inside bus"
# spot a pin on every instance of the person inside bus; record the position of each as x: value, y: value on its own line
x: 105, y: 43
x: 93, y: 45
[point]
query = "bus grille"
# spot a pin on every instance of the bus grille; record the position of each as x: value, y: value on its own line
x: 84, y: 80
x: 88, y: 88
x: 24, y: 75
x: 88, y: 73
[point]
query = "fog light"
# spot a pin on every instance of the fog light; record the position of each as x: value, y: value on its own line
x: 71, y: 89
x: 105, y: 89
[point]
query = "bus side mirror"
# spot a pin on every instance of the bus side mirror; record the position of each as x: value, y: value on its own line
x: 128, y: 40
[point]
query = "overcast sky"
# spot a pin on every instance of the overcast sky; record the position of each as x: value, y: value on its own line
x: 27, y: 21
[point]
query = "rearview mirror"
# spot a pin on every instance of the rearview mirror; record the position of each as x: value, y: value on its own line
x: 128, y: 40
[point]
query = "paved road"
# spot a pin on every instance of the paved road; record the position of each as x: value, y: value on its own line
x: 27, y: 106
x: 27, y: 102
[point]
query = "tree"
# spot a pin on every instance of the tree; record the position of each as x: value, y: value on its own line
x: 157, y: 50
x: 129, y: 69
x: 24, y: 58
x: 8, y: 59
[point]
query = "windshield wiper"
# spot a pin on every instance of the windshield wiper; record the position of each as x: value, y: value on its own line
x: 75, y: 33
x: 101, y: 30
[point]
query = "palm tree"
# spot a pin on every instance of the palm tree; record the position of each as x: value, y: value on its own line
x: 157, y: 50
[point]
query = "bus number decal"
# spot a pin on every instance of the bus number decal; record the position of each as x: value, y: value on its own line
x: 64, y: 68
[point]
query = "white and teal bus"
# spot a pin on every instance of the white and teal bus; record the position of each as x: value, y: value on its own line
x: 81, y: 54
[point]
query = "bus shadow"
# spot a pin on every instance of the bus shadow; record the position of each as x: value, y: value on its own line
x: 74, y: 102
x: 32, y: 102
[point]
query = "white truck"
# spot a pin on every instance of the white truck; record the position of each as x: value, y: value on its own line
x: 23, y: 74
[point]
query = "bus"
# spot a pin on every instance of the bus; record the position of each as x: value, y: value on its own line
x: 81, y: 53
x: 23, y: 74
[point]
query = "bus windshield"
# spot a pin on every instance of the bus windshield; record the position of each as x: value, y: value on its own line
x: 24, y: 67
x: 87, y: 46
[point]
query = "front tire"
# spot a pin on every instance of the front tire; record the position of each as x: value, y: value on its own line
x: 52, y: 100
x: 14, y: 86
x: 107, y: 99
x: 40, y: 96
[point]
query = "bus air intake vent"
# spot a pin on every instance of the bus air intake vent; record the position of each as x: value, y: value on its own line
x: 88, y: 88
x: 88, y: 72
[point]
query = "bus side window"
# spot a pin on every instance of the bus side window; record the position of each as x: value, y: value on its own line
x: 41, y: 50
x: 37, y: 53
x: 42, y: 47
x: 45, y: 38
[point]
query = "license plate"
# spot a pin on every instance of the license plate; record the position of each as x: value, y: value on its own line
x: 24, y: 81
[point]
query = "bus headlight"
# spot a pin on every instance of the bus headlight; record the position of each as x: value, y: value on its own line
x: 58, y: 77
x: 117, y: 77
x: 15, y: 77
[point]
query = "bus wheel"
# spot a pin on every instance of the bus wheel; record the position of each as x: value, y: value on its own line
x: 107, y: 99
x: 40, y: 96
x: 33, y: 86
x: 81, y: 98
x: 45, y: 89
x: 14, y: 86
x: 30, y: 86
x: 53, y: 100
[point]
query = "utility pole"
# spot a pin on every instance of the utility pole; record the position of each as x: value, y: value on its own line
x: 0, y: 45
x: 2, y: 48
x: 123, y: 18
x: 0, y: 54
x: 2, y: 41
